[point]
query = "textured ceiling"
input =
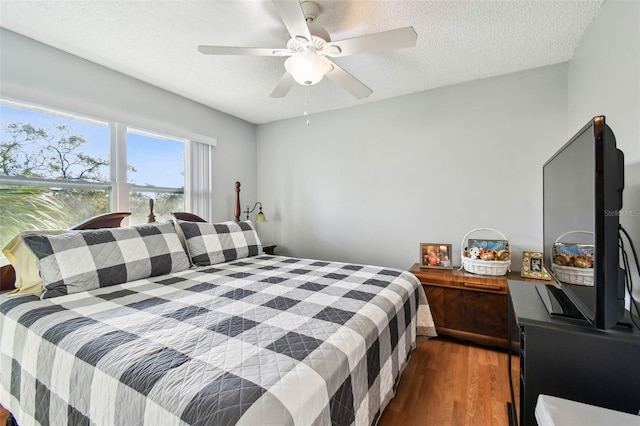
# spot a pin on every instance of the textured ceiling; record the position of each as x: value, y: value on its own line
x: 156, y: 41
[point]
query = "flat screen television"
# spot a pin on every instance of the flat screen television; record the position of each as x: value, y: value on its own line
x: 582, y: 196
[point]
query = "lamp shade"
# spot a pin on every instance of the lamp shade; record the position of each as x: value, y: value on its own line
x: 260, y: 217
x: 307, y: 68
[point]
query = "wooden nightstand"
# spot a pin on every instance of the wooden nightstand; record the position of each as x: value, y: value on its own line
x: 269, y: 249
x: 468, y: 306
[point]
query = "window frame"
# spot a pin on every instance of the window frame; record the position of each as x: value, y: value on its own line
x: 117, y: 184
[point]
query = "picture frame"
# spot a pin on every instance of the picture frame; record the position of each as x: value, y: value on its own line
x: 435, y: 256
x: 533, y: 266
x: 497, y: 245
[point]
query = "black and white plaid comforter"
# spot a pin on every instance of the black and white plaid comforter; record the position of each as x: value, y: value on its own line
x: 267, y: 340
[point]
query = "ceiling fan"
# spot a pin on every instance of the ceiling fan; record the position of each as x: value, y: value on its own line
x: 310, y: 48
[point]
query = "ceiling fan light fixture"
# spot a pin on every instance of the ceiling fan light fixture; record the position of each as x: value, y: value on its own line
x: 307, y: 68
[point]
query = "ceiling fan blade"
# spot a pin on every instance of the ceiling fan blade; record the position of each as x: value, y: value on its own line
x: 230, y: 50
x: 393, y: 39
x: 285, y: 84
x: 348, y: 82
x: 293, y: 17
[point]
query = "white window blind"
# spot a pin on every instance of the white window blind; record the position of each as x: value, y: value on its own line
x: 199, y: 183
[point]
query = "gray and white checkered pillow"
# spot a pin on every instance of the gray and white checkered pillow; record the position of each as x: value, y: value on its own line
x: 212, y: 243
x: 84, y: 260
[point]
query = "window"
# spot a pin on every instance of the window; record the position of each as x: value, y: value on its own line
x: 155, y: 171
x: 58, y: 169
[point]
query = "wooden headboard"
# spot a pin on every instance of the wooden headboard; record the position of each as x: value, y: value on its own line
x: 236, y: 209
x: 106, y: 220
x: 187, y: 217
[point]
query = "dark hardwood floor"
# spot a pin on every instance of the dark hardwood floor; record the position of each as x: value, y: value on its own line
x: 446, y: 383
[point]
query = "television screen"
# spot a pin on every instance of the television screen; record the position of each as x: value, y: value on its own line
x: 582, y: 188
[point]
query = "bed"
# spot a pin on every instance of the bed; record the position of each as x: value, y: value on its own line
x: 236, y: 337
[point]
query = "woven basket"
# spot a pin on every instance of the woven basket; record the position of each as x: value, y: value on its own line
x: 484, y: 267
x: 571, y: 274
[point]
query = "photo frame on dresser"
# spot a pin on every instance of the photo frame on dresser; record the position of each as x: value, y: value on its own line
x: 533, y: 266
x: 435, y: 255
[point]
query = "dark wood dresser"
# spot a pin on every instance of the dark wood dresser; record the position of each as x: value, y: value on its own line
x: 468, y: 306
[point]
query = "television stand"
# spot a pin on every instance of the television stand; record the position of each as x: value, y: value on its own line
x: 626, y: 323
x: 568, y: 358
x: 558, y: 303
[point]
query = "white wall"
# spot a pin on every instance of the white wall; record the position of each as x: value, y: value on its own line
x: 604, y: 79
x: 370, y: 183
x: 33, y: 72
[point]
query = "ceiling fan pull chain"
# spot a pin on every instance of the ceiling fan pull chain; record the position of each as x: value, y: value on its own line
x: 306, y: 104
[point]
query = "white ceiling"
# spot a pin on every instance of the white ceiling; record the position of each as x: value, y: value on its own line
x: 156, y: 41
